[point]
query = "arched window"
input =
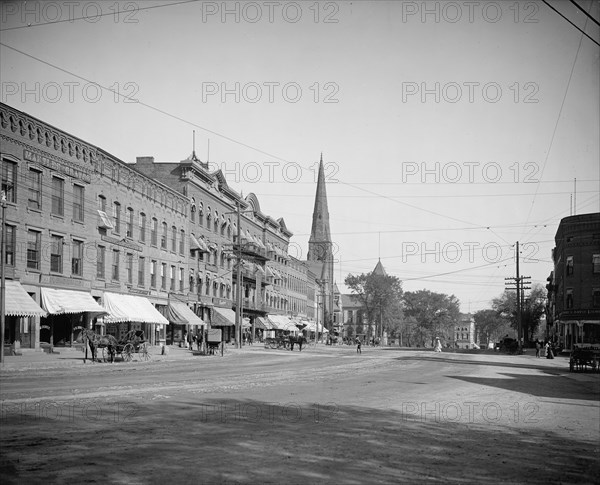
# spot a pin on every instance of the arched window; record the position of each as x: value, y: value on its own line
x: 182, y: 243
x: 117, y: 217
x: 173, y: 239
x: 129, y: 222
x: 193, y: 210
x: 142, y: 227
x: 163, y: 237
x: 154, y: 232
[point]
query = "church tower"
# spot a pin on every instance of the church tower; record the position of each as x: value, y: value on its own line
x: 320, y: 248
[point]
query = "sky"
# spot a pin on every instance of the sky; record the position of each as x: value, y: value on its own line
x: 449, y: 130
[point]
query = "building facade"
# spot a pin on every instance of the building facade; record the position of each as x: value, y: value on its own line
x: 78, y: 218
x: 573, y: 310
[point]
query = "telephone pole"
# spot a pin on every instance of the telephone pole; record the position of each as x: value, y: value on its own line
x: 519, y: 282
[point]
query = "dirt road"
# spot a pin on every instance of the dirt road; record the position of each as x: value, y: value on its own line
x: 321, y: 416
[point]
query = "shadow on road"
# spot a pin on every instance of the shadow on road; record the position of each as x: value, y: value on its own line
x: 249, y: 441
x: 551, y: 386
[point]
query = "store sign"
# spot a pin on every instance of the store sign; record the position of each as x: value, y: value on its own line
x: 62, y: 166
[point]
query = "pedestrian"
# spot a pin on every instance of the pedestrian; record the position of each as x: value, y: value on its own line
x: 538, y: 347
x: 199, y: 341
x: 358, y: 346
x: 549, y: 354
x: 438, y: 345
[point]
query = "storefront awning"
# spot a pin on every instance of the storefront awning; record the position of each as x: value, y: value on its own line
x: 281, y: 322
x: 260, y: 324
x: 129, y: 308
x: 19, y: 303
x: 180, y: 313
x: 58, y: 302
x: 223, y: 317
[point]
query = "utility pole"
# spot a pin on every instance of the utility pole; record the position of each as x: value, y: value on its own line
x: 2, y: 276
x: 238, y: 309
x: 519, y: 287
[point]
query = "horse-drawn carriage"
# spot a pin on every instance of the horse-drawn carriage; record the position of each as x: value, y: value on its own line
x: 583, y: 356
x: 131, y: 343
x: 285, y: 342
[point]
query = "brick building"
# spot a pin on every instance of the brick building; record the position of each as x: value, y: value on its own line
x: 83, y: 227
x: 573, y: 309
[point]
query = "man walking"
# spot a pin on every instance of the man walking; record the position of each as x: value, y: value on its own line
x: 358, y: 345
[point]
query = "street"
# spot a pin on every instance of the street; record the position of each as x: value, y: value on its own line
x: 323, y: 415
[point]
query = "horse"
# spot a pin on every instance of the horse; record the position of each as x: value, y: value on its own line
x: 300, y: 340
x: 96, y: 341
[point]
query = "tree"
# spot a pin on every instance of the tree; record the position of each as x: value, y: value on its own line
x: 490, y: 324
x: 435, y: 313
x: 532, y: 309
x: 377, y: 293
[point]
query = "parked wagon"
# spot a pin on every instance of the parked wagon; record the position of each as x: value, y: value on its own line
x: 583, y: 357
x: 281, y: 342
x: 133, y: 342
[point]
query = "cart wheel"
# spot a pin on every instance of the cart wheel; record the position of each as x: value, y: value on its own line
x: 143, y: 351
x: 127, y: 352
x: 273, y: 344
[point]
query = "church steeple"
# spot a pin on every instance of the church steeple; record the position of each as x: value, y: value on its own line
x: 320, y: 234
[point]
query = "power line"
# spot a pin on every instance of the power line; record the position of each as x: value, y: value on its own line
x: 98, y: 15
x: 585, y: 12
x: 552, y: 8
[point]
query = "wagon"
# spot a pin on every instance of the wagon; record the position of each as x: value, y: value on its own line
x: 277, y: 342
x: 582, y: 357
x: 133, y: 342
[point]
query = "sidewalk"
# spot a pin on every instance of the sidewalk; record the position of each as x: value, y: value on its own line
x: 74, y: 357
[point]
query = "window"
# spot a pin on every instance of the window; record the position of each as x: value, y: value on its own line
x: 596, y: 298
x: 102, y: 203
x: 182, y: 243
x: 181, y: 279
x: 77, y: 258
x: 129, y: 267
x: 201, y: 215
x: 78, y: 198
x: 153, y: 274
x: 163, y: 276
x: 193, y: 212
x: 172, y: 278
x: 596, y: 263
x: 163, y: 237
x: 56, y: 254
x: 117, y: 217
x: 58, y: 196
x: 142, y: 227
x: 101, y: 262
x: 154, y: 231
x: 34, y: 199
x: 173, y: 239
x: 9, y: 245
x: 569, y: 265
x: 141, y: 270
x: 569, y: 298
x: 33, y: 249
x: 9, y: 180
x: 129, y: 223
x: 115, y: 265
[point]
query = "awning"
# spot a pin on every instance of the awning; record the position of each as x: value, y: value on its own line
x: 179, y: 312
x: 58, y: 302
x: 282, y: 322
x: 196, y: 244
x: 223, y: 317
x: 260, y: 324
x: 246, y: 323
x: 105, y: 221
x: 129, y: 308
x: 19, y: 304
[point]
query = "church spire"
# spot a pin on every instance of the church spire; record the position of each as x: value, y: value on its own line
x: 320, y: 233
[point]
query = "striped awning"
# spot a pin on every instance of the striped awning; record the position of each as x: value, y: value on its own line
x: 130, y: 308
x: 19, y: 304
x: 59, y: 302
x: 282, y: 322
x: 223, y: 317
x: 179, y: 312
x: 260, y: 324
